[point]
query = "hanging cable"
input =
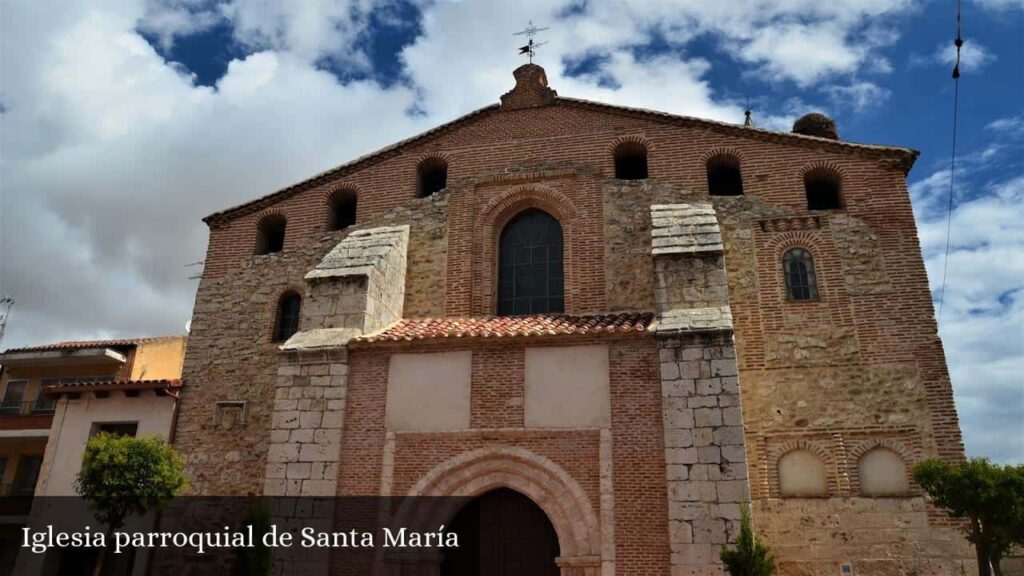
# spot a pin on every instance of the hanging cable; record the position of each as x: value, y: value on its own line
x: 958, y: 42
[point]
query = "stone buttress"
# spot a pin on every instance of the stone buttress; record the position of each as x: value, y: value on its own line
x: 705, y: 457
x: 358, y: 288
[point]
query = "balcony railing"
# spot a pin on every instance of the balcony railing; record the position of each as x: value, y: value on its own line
x: 27, y: 408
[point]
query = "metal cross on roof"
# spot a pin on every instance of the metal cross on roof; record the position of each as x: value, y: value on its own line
x: 530, y: 31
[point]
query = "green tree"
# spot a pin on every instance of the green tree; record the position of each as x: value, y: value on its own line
x: 990, y: 497
x: 123, y: 475
x: 750, y: 557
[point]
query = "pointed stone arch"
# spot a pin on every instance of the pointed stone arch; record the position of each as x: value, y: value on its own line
x: 437, y: 496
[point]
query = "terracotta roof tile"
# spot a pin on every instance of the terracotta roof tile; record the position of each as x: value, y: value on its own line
x: 511, y: 326
x: 113, y: 385
x: 83, y: 344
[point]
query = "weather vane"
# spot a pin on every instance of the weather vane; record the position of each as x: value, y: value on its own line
x: 531, y: 46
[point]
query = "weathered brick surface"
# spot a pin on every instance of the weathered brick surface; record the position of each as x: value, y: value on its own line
x: 862, y: 362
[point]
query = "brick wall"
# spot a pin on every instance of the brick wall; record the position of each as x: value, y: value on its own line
x: 865, y: 357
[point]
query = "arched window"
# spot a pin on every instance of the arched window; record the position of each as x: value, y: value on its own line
x: 630, y: 161
x: 432, y: 174
x: 286, y: 322
x: 342, y: 210
x: 530, y: 273
x: 824, y: 190
x: 270, y: 234
x: 724, y: 177
x: 802, y: 474
x: 882, y: 473
x: 801, y: 281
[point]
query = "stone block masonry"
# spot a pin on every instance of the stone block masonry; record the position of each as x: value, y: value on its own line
x: 705, y: 457
x: 305, y: 433
x: 705, y: 454
x: 358, y: 287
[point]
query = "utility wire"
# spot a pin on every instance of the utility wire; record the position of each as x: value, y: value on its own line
x: 958, y: 42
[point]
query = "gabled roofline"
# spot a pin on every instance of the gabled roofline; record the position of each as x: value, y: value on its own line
x: 904, y: 157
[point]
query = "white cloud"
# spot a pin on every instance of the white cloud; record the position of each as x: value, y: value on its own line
x: 312, y: 29
x: 1011, y: 124
x: 982, y: 321
x: 973, y: 56
x: 168, y: 19
x: 858, y: 96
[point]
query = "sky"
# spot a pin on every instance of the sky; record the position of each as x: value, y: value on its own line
x: 124, y: 122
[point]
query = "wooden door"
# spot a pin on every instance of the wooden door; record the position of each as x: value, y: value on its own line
x: 502, y: 533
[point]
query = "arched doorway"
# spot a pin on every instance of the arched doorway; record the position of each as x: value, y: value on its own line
x: 502, y: 533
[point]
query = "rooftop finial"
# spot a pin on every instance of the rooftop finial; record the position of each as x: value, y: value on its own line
x: 530, y: 31
x: 747, y: 121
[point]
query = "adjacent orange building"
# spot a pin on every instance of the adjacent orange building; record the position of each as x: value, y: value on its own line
x: 54, y: 397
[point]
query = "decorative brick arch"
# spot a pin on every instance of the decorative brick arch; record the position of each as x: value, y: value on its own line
x: 809, y: 240
x: 775, y: 453
x: 497, y: 212
x: 434, y: 155
x: 331, y: 193
x: 906, y: 455
x: 629, y: 139
x: 550, y: 487
x: 824, y: 167
x: 723, y: 151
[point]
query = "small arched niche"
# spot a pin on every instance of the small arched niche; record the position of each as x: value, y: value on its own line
x: 823, y: 188
x: 882, y: 473
x: 724, y: 177
x: 342, y: 206
x: 630, y: 161
x: 270, y: 234
x: 802, y: 475
x: 432, y: 176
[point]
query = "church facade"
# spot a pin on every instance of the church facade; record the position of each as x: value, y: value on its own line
x: 610, y: 327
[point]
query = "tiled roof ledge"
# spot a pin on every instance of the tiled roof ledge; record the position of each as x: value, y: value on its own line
x: 684, y: 229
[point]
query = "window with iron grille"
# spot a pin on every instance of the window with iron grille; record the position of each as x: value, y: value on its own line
x: 801, y: 281
x: 530, y: 269
x: 287, y: 323
x: 13, y: 396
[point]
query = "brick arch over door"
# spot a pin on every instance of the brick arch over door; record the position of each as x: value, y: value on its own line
x: 550, y: 487
x: 497, y: 212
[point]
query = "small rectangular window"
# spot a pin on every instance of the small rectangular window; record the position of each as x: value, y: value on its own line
x: 14, y: 395
x: 27, y: 474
